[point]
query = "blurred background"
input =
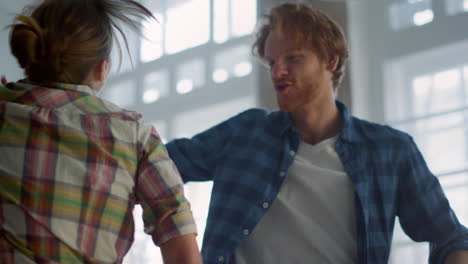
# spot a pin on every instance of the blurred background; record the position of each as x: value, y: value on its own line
x: 408, y: 68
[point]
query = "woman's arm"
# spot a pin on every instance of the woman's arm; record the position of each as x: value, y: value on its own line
x: 181, y: 250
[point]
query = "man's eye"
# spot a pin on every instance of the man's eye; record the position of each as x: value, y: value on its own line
x: 292, y: 58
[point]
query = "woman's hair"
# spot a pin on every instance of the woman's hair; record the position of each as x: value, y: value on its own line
x: 306, y: 26
x: 62, y: 40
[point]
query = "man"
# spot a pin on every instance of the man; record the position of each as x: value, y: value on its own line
x: 311, y: 183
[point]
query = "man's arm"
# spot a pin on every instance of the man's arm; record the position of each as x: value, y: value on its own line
x: 424, y: 211
x: 181, y: 250
x: 198, y: 157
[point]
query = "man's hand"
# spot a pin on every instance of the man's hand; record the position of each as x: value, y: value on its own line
x: 181, y: 250
x: 4, y: 80
x: 459, y: 256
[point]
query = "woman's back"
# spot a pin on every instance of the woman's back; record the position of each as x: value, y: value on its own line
x: 70, y: 178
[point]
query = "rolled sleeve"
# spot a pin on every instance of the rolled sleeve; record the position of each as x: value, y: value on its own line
x: 440, y: 253
x: 159, y: 190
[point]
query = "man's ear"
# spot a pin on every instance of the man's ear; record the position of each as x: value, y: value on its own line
x: 333, y: 62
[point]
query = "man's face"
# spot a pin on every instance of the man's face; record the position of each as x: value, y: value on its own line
x: 299, y: 77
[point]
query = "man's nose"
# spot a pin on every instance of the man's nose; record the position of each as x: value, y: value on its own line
x: 278, y: 71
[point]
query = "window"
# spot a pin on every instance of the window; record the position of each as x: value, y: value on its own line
x: 408, y: 13
x: 172, y: 34
x: 152, y: 45
x: 181, y: 24
x: 455, y: 7
x: 189, y: 123
x: 190, y: 75
x: 123, y: 93
x: 122, y: 60
x: 188, y: 24
x: 232, y: 62
x: 233, y: 18
x: 156, y: 86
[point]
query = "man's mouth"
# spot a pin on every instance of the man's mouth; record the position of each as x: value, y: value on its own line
x: 282, y: 87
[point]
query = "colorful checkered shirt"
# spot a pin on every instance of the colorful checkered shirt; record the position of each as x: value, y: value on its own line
x: 248, y: 156
x: 72, y: 168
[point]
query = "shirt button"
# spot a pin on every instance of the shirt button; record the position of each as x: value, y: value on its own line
x: 246, y: 232
x: 292, y: 152
x: 221, y: 259
x: 265, y: 205
x: 282, y: 174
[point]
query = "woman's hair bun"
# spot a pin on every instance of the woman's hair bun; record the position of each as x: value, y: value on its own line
x: 27, y: 41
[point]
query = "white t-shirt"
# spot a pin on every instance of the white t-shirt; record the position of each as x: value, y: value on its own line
x: 312, y: 220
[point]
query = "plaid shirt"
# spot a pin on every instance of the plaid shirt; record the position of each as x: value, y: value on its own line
x: 248, y: 157
x: 71, y: 170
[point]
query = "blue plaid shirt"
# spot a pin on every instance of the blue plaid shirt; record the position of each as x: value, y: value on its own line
x: 248, y: 156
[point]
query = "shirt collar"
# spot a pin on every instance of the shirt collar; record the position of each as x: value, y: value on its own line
x: 28, y: 85
x: 348, y: 132
x: 280, y: 122
x: 74, y: 87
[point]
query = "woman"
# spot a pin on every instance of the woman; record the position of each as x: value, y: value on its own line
x: 73, y: 166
